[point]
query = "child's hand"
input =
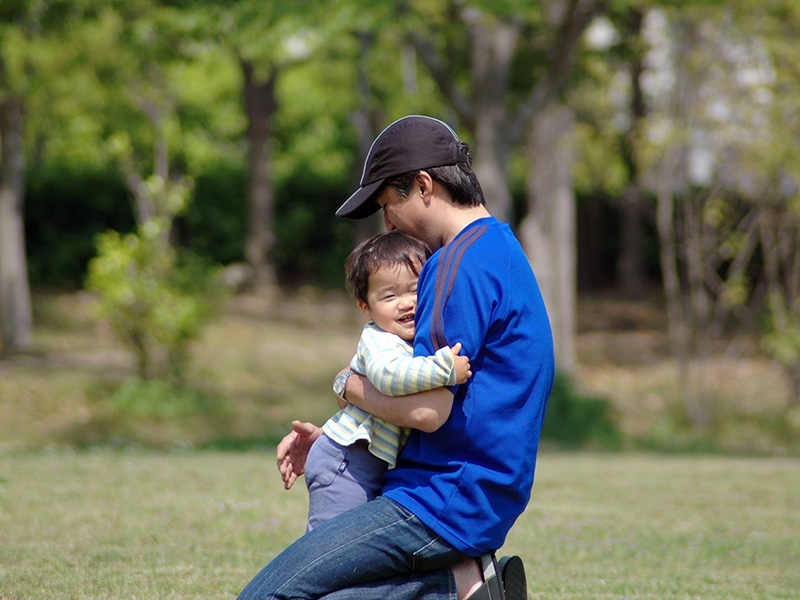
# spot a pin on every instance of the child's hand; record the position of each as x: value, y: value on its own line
x: 461, y: 364
x: 293, y: 451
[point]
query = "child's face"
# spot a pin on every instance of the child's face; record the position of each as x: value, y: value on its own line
x: 392, y: 300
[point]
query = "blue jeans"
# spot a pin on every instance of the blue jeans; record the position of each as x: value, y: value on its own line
x: 378, y: 550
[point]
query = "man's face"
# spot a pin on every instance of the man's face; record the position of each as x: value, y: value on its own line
x: 410, y: 215
x: 393, y: 210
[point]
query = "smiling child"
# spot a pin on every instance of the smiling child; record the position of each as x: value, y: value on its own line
x: 346, y: 463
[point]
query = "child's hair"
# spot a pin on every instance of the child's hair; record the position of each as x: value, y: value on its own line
x: 388, y: 249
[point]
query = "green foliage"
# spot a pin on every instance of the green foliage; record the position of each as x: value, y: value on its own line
x: 155, y: 303
x: 215, y: 222
x: 783, y: 345
x: 157, y: 400
x: 574, y: 420
x: 151, y: 413
x: 311, y: 243
x: 66, y: 207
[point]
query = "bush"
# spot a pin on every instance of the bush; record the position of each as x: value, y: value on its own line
x: 573, y: 420
x: 156, y: 400
x: 151, y: 413
x: 310, y: 243
x: 214, y: 224
x: 65, y: 209
x: 156, y: 303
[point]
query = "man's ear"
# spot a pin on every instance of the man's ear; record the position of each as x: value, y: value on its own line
x: 423, y: 184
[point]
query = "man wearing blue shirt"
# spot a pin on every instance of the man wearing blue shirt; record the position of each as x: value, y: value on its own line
x: 466, y: 473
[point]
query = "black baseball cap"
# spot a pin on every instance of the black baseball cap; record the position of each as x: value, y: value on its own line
x: 409, y: 144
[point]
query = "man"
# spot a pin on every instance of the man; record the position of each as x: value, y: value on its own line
x: 466, y: 473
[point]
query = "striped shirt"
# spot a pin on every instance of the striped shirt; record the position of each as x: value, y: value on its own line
x: 388, y: 362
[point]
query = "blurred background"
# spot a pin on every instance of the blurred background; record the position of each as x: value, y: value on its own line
x: 171, y: 269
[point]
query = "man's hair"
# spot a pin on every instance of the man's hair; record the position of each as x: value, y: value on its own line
x: 459, y: 180
x: 388, y: 249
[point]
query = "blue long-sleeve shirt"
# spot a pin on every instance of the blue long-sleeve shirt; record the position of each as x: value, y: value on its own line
x: 472, y: 478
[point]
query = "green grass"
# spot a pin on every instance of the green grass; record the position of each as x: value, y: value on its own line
x: 130, y: 523
x: 157, y: 525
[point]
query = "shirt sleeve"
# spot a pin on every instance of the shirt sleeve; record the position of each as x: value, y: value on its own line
x: 391, y: 368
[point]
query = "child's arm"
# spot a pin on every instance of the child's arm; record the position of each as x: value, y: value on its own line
x: 394, y: 372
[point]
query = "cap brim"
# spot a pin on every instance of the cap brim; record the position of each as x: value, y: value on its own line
x: 362, y: 203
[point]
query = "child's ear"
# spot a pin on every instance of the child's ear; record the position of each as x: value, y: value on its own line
x: 364, y: 308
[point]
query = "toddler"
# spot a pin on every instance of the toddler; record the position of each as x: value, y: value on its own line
x: 345, y: 465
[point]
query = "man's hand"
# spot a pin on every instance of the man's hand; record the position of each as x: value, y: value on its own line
x: 462, y: 366
x: 293, y: 451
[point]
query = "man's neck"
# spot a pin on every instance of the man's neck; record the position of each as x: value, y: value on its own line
x: 461, y: 217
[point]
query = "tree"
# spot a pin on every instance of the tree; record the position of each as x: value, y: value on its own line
x: 630, y: 263
x: 708, y: 135
x: 15, y: 305
x: 779, y: 231
x: 156, y: 302
x: 19, y: 23
x: 773, y: 159
x: 499, y: 66
x: 267, y: 40
x: 548, y: 232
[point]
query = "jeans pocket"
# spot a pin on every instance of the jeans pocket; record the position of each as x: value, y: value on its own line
x: 436, y: 554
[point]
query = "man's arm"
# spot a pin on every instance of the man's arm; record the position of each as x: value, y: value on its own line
x: 426, y: 411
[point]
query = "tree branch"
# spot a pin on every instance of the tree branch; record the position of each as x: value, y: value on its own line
x: 561, y: 59
x: 443, y: 77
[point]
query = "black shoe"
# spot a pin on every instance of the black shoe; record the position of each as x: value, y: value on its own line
x: 512, y: 573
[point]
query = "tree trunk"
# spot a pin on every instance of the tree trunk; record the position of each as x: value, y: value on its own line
x: 668, y: 249
x: 260, y: 105
x: 779, y: 233
x: 483, y: 107
x: 367, y: 123
x: 630, y: 263
x: 548, y: 232
x: 16, y: 319
x: 492, y: 46
x: 491, y: 166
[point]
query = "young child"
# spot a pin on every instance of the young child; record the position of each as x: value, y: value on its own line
x: 345, y: 465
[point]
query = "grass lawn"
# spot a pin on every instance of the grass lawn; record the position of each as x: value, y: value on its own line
x: 134, y: 524
x: 191, y: 522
